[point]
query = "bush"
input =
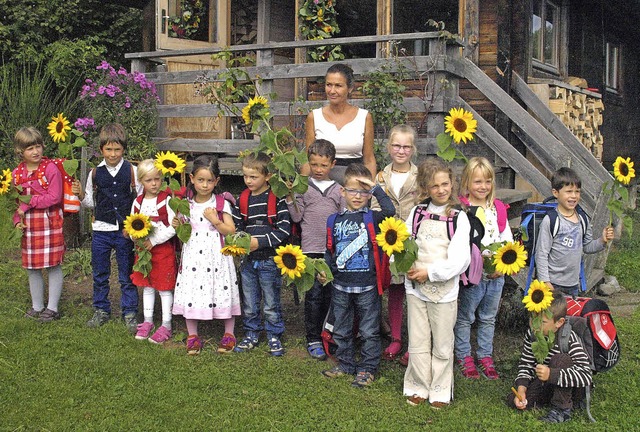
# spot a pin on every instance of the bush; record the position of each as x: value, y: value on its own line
x: 69, y: 61
x: 117, y: 96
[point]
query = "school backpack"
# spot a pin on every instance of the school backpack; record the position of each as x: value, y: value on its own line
x: 501, y: 211
x: 591, y: 320
x: 472, y: 275
x: 383, y: 277
x: 532, y: 215
x: 272, y: 214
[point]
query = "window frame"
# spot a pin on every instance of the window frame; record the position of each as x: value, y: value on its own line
x: 553, y: 65
x: 615, y: 86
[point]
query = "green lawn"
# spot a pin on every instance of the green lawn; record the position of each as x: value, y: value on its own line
x: 64, y: 376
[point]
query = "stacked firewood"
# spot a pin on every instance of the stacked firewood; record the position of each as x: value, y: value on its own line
x: 244, y: 28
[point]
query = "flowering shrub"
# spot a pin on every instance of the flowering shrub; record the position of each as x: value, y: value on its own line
x: 186, y: 25
x: 117, y: 96
x: 319, y: 22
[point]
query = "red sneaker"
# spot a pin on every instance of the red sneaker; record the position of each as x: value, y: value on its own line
x: 488, y: 369
x: 468, y: 368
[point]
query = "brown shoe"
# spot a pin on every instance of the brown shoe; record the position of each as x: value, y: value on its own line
x: 439, y: 405
x: 415, y: 400
x: 48, y: 315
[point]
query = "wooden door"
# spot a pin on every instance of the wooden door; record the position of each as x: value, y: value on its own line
x: 188, y: 24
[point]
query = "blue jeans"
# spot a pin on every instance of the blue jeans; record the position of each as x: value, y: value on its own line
x: 261, y: 279
x: 569, y: 291
x: 483, y: 299
x: 101, y: 246
x: 367, y: 307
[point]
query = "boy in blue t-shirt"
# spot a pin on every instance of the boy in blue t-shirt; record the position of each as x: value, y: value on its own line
x: 355, y: 283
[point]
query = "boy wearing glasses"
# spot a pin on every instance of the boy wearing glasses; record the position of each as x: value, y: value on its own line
x: 351, y: 259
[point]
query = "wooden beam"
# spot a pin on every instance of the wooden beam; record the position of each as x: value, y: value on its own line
x: 194, y: 145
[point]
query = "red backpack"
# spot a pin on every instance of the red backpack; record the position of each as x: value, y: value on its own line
x: 272, y: 214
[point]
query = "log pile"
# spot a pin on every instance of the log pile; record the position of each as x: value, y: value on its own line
x: 581, y: 113
x: 244, y: 28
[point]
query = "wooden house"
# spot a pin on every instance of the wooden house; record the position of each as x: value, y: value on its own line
x: 553, y: 82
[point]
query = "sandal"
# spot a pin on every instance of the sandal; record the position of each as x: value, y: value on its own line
x: 393, y: 350
x: 316, y: 351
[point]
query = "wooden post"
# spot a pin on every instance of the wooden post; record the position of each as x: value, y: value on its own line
x: 264, y: 57
x: 469, y: 28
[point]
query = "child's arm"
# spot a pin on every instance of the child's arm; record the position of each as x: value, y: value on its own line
x: 387, y: 209
x: 579, y: 373
x: 224, y: 226
x: 591, y: 245
x: 161, y: 232
x: 295, y: 204
x: 543, y: 249
x: 526, y: 371
x: 46, y: 197
x: 279, y: 232
x: 86, y: 196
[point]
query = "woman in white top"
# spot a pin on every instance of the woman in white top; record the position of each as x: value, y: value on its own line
x: 347, y: 127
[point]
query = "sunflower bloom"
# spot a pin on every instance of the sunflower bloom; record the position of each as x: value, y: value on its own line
x: 256, y: 108
x: 5, y: 181
x: 460, y: 124
x: 137, y: 225
x: 623, y: 170
x: 169, y: 163
x: 58, y: 128
x: 539, y: 297
x: 290, y: 260
x: 393, y: 233
x: 510, y: 258
x: 233, y: 250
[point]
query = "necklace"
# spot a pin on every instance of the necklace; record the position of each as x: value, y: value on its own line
x: 568, y: 216
x: 398, y: 171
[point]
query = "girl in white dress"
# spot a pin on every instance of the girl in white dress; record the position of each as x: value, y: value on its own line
x: 207, y: 287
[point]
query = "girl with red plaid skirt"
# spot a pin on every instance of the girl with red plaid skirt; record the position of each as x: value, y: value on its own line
x: 40, y: 221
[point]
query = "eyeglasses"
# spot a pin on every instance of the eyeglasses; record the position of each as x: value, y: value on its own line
x: 404, y: 148
x: 356, y: 192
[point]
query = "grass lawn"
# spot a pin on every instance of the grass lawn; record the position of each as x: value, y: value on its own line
x: 64, y: 376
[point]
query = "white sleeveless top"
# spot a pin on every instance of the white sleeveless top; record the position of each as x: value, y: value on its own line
x: 349, y: 140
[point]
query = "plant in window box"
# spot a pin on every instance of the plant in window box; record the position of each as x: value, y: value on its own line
x: 319, y: 22
x: 186, y: 25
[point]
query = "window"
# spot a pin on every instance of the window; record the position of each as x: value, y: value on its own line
x: 545, y: 34
x: 613, y: 67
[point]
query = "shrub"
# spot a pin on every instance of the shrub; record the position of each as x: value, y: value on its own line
x: 117, y: 96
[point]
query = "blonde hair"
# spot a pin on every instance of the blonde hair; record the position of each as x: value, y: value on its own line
x: 486, y: 169
x: 257, y: 161
x: 403, y: 129
x: 145, y: 167
x: 427, y: 170
x: 25, y: 138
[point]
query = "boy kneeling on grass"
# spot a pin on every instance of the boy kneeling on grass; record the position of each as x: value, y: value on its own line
x: 562, y: 377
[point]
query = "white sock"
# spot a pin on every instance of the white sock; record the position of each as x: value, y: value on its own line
x: 36, y: 287
x: 166, y: 298
x: 148, y: 303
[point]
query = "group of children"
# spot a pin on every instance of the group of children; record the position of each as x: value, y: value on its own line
x: 204, y: 286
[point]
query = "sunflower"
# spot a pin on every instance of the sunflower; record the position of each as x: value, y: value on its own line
x: 623, y: 170
x: 169, y: 163
x: 290, y: 260
x: 393, y: 233
x: 137, y: 225
x: 510, y: 258
x: 460, y: 124
x: 256, y: 108
x: 5, y: 181
x: 233, y: 250
x: 539, y: 297
x: 58, y: 128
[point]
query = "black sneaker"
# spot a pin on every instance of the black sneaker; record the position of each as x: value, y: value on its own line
x: 557, y: 415
x: 98, y: 319
x: 131, y: 322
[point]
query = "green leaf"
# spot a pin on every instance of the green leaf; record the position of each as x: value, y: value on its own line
x: 70, y: 166
x: 278, y: 187
x: 183, y: 231
x: 321, y: 266
x: 443, y: 140
x: 627, y: 222
x: 174, y: 184
x: 304, y: 283
x: 447, y: 154
x: 79, y: 141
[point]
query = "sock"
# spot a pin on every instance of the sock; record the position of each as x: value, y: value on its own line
x: 148, y: 302
x: 55, y: 287
x: 229, y: 325
x: 192, y: 326
x: 36, y: 287
x: 166, y: 298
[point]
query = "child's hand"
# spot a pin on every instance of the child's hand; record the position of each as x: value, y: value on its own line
x: 20, y: 213
x: 125, y: 234
x: 211, y: 215
x: 175, y: 222
x: 520, y: 401
x: 494, y: 275
x: 418, y: 275
x: 21, y: 225
x: 365, y: 182
x: 542, y: 372
x: 607, y: 234
x: 147, y: 244
x: 322, y: 278
x: 76, y: 187
x: 254, y: 244
x: 549, y: 285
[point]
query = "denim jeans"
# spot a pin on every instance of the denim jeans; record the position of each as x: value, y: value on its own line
x: 483, y: 299
x: 569, y: 291
x: 261, y: 279
x: 316, y: 306
x: 101, y: 246
x: 367, y: 307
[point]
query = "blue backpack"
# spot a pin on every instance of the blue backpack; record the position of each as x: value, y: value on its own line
x: 532, y: 215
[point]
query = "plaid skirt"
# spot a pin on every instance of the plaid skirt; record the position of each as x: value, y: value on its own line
x: 42, y: 239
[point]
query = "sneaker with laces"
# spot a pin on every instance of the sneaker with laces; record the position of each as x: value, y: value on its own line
x: 194, y: 345
x: 32, y: 313
x: 362, y: 379
x: 98, y: 319
x: 246, y: 344
x: 334, y: 372
x: 227, y: 343
x: 131, y: 322
x: 275, y: 347
x: 468, y: 368
x: 48, y: 315
x: 144, y: 330
x: 557, y: 415
x: 162, y: 334
x: 488, y: 369
x: 316, y: 351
